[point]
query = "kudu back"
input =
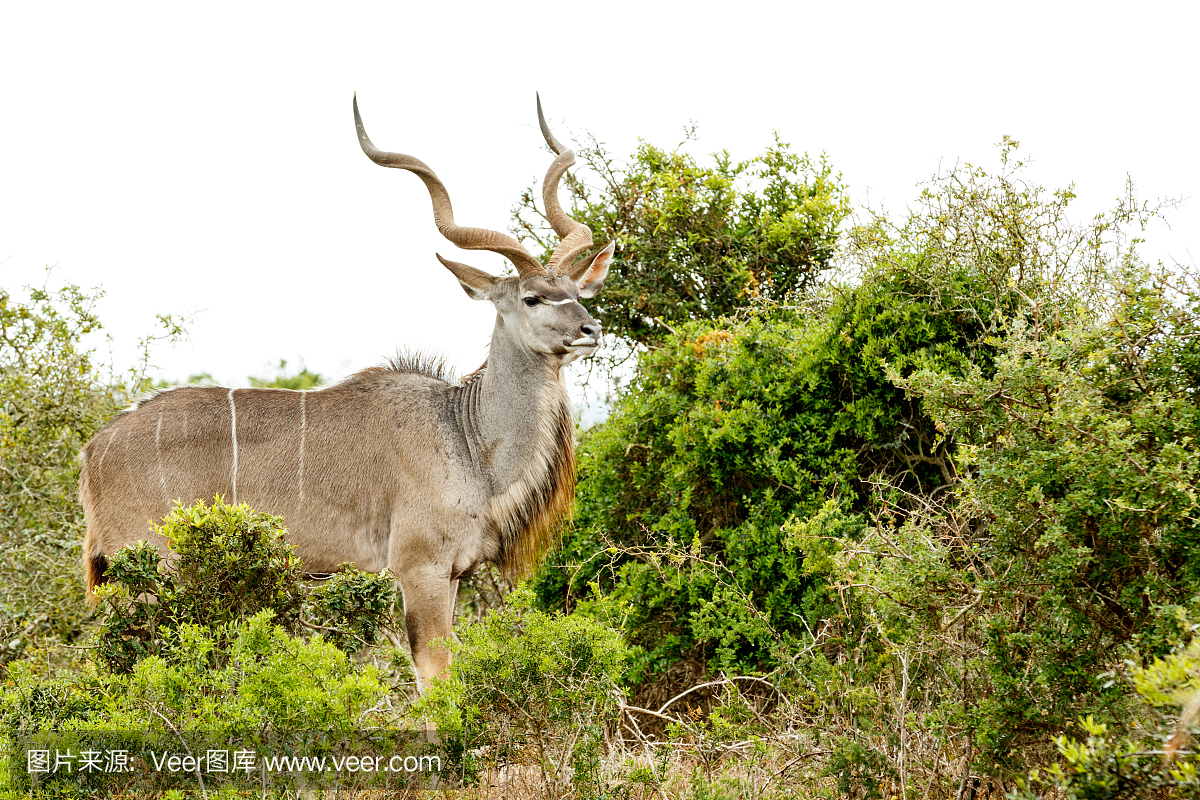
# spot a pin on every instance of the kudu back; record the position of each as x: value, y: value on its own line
x: 395, y: 467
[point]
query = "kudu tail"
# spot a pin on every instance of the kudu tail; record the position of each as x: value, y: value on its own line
x: 94, y: 568
x: 95, y: 564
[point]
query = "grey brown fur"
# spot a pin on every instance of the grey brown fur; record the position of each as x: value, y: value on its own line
x: 395, y: 467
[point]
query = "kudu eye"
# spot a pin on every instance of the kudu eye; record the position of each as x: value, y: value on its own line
x: 531, y: 301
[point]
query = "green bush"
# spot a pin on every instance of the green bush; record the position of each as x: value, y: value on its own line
x: 54, y: 396
x: 1083, y: 466
x: 51, y: 401
x: 947, y: 498
x: 527, y: 687
x: 222, y: 639
x: 731, y: 430
x: 1151, y: 758
x: 1068, y: 538
x: 860, y: 769
x: 746, y: 414
x: 250, y: 675
x: 227, y: 564
x: 247, y: 684
x: 700, y: 241
x: 301, y: 381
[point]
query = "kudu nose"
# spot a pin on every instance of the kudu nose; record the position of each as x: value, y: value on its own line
x: 592, y: 330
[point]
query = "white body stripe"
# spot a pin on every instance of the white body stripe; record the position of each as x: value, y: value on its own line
x: 100, y: 466
x: 162, y: 478
x: 233, y: 427
x: 303, y: 421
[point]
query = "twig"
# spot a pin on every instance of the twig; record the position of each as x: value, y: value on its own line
x: 721, y: 682
x: 653, y: 714
x: 794, y: 761
x: 316, y: 627
x: 187, y: 749
x: 964, y: 610
x: 649, y: 754
x: 933, y: 772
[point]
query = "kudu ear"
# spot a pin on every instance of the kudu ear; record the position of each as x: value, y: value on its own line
x: 590, y: 273
x: 475, y: 282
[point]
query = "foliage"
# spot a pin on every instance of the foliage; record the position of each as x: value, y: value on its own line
x: 53, y: 397
x: 1069, y: 534
x: 527, y: 685
x: 1138, y: 764
x: 734, y: 428
x: 945, y: 499
x: 282, y: 380
x: 227, y: 564
x: 216, y: 642
x: 351, y: 607
x: 860, y: 769
x: 235, y: 676
x: 300, y: 381
x: 1086, y: 439
x: 247, y: 682
x: 949, y: 504
x: 700, y: 241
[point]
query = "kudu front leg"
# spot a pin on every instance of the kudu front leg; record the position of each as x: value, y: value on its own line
x: 429, y: 616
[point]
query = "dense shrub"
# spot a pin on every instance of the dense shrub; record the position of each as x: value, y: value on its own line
x: 527, y: 687
x: 948, y: 498
x: 1148, y: 759
x: 51, y: 402
x: 250, y: 675
x: 1072, y: 539
x: 54, y: 395
x: 733, y: 428
x: 229, y: 563
x: 1068, y: 539
x: 246, y: 685
x: 222, y: 641
x: 699, y: 241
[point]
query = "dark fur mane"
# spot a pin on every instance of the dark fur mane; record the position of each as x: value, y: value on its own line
x: 536, y: 526
x: 427, y: 364
x: 404, y: 362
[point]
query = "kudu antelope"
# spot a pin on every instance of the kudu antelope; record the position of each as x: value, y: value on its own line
x: 394, y: 467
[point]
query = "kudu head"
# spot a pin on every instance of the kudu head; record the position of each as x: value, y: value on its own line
x: 540, y: 304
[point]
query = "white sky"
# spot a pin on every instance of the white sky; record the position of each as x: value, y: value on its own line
x: 202, y: 157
